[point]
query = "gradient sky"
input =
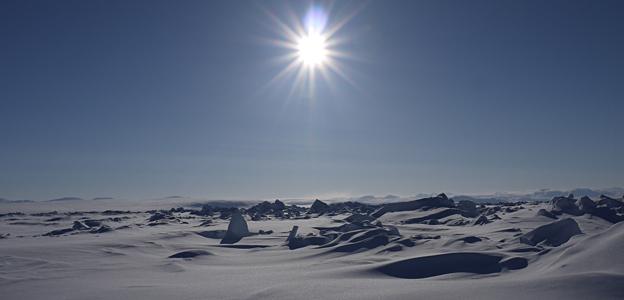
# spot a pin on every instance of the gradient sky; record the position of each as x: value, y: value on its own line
x: 158, y: 98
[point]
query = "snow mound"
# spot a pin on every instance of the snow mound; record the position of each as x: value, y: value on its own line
x: 553, y: 234
x: 601, y: 252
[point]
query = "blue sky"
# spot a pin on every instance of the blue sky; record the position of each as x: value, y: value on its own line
x: 155, y: 98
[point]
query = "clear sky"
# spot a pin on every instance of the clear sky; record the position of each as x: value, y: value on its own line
x: 158, y: 98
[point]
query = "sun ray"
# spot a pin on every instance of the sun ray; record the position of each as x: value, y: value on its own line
x: 342, y: 22
x: 312, y: 49
x: 298, y: 82
x: 292, y: 66
x: 335, y: 67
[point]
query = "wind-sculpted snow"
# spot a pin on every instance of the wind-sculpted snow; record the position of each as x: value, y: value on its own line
x: 448, y: 263
x: 555, y: 233
x: 434, y: 248
x: 190, y: 254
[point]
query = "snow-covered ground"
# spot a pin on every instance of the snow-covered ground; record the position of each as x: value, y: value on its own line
x: 453, y: 257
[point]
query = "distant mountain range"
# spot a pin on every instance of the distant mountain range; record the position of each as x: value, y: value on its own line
x: 2, y: 200
x: 65, y: 199
x: 539, y: 195
x: 542, y: 195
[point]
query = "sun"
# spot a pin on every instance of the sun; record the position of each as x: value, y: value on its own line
x: 312, y: 49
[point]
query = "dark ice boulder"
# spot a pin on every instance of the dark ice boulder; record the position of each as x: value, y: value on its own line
x: 586, y: 204
x: 482, y: 220
x: 92, y: 223
x: 566, y: 205
x: 237, y: 229
x: 79, y: 226
x: 468, y: 208
x: 319, y: 207
x: 607, y: 214
x: 609, y: 202
x: 266, y: 208
x: 278, y: 205
x: 158, y: 216
x: 438, y: 201
x: 553, y: 234
x: 293, y: 233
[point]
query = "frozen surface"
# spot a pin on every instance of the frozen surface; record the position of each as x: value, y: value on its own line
x: 178, y: 255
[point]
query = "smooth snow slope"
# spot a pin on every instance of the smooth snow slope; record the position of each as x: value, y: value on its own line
x: 467, y: 261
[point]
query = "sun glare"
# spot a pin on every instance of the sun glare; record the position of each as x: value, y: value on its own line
x: 312, y: 45
x: 312, y: 49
